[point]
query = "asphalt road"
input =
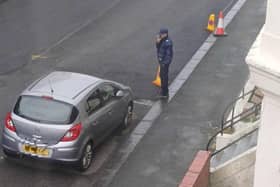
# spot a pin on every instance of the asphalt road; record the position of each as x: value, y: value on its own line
x: 112, y: 39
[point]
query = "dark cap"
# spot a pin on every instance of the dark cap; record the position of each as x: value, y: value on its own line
x: 163, y: 31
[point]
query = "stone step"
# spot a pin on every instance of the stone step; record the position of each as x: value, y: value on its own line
x: 234, y: 150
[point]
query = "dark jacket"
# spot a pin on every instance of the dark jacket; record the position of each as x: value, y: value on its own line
x: 165, y: 51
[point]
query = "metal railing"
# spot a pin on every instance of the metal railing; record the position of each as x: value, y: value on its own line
x: 234, y: 142
x: 231, y: 108
x: 234, y: 119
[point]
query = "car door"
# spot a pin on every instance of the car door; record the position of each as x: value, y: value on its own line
x: 114, y: 105
x: 96, y: 116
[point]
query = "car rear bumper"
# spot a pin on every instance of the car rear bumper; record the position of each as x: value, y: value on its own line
x: 58, y: 152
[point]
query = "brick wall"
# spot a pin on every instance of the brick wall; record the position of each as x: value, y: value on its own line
x: 198, y: 173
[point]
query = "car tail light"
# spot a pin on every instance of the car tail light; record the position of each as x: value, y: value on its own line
x: 72, y: 134
x: 9, y: 123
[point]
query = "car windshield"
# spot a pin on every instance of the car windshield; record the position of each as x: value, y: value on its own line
x: 45, y: 110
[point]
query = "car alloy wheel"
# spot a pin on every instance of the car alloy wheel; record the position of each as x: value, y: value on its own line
x: 128, y: 117
x: 86, y: 158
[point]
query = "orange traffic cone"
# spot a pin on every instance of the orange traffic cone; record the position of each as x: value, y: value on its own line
x: 157, y: 81
x: 211, y: 23
x: 220, y: 31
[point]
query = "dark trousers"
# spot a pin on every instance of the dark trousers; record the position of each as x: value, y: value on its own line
x: 164, y: 79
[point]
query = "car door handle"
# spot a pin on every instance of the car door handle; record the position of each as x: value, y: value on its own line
x: 110, y: 112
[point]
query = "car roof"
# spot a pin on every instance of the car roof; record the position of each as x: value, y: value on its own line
x: 64, y: 84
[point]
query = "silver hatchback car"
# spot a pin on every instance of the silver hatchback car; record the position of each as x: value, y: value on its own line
x: 64, y: 115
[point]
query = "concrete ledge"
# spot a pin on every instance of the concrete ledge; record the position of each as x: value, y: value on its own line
x: 198, y: 173
x: 243, y: 128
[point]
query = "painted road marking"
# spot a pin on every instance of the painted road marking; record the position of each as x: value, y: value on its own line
x: 144, y: 102
x: 79, y: 28
x: 35, y: 57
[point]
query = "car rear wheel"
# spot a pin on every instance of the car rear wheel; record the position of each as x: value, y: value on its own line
x: 86, y: 159
x: 128, y: 116
x: 10, y: 154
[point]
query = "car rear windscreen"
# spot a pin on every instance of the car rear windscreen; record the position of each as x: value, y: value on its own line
x: 45, y: 110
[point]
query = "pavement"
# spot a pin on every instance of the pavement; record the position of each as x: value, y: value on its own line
x: 186, y: 123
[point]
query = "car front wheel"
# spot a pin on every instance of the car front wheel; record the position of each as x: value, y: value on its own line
x: 128, y: 117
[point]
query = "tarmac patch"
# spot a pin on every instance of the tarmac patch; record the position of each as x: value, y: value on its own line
x: 2, y: 84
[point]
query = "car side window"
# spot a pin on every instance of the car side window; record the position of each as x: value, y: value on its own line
x: 94, y: 102
x: 107, y: 92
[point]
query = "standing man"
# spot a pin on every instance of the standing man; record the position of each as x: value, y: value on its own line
x: 164, y: 54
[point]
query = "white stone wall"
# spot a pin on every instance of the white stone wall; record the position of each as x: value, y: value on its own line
x: 270, y: 36
x: 264, y: 64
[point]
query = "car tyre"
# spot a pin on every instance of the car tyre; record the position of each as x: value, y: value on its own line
x: 128, y: 117
x: 86, y: 158
x: 10, y: 154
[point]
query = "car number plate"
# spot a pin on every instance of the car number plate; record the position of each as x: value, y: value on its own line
x: 35, y: 150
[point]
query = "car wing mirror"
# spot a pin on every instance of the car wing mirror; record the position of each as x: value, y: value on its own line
x: 120, y: 93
